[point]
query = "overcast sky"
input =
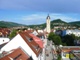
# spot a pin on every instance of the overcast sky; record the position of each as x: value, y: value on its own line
x: 35, y: 11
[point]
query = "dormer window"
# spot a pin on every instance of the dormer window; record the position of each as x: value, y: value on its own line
x: 29, y: 39
x: 36, y: 47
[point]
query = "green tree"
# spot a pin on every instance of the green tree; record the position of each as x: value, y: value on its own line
x: 73, y: 36
x: 59, y: 57
x: 51, y: 36
x: 69, y: 39
x: 77, y: 38
x: 55, y: 38
x: 13, y: 33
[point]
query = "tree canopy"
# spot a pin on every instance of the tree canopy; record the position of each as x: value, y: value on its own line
x: 13, y: 33
x: 69, y: 39
x: 55, y: 38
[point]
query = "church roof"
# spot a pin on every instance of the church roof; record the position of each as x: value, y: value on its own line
x: 48, y: 17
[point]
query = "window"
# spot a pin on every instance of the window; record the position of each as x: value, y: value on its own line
x: 29, y: 39
x: 17, y: 56
x: 65, y: 54
x: 3, y: 40
x: 31, y: 58
x: 36, y: 47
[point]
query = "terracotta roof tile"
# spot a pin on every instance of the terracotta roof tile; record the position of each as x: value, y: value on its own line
x: 33, y: 45
x: 4, y: 31
x: 17, y: 54
x: 37, y: 40
x: 70, y: 49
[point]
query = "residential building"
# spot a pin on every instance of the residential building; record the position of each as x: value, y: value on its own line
x: 65, y: 51
x: 31, y: 44
x: 76, y: 32
x: 75, y: 55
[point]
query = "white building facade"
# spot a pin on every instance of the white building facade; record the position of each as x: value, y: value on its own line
x: 76, y: 32
x: 4, y: 40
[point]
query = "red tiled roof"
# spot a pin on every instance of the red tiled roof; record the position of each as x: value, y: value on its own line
x: 40, y: 34
x: 4, y: 31
x: 32, y: 44
x: 37, y: 40
x: 69, y: 49
x: 17, y: 54
x: 29, y: 31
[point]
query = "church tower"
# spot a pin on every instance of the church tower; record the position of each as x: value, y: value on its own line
x: 48, y: 24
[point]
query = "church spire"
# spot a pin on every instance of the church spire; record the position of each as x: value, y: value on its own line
x: 48, y: 17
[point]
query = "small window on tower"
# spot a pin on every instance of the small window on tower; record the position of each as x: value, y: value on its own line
x: 3, y: 40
